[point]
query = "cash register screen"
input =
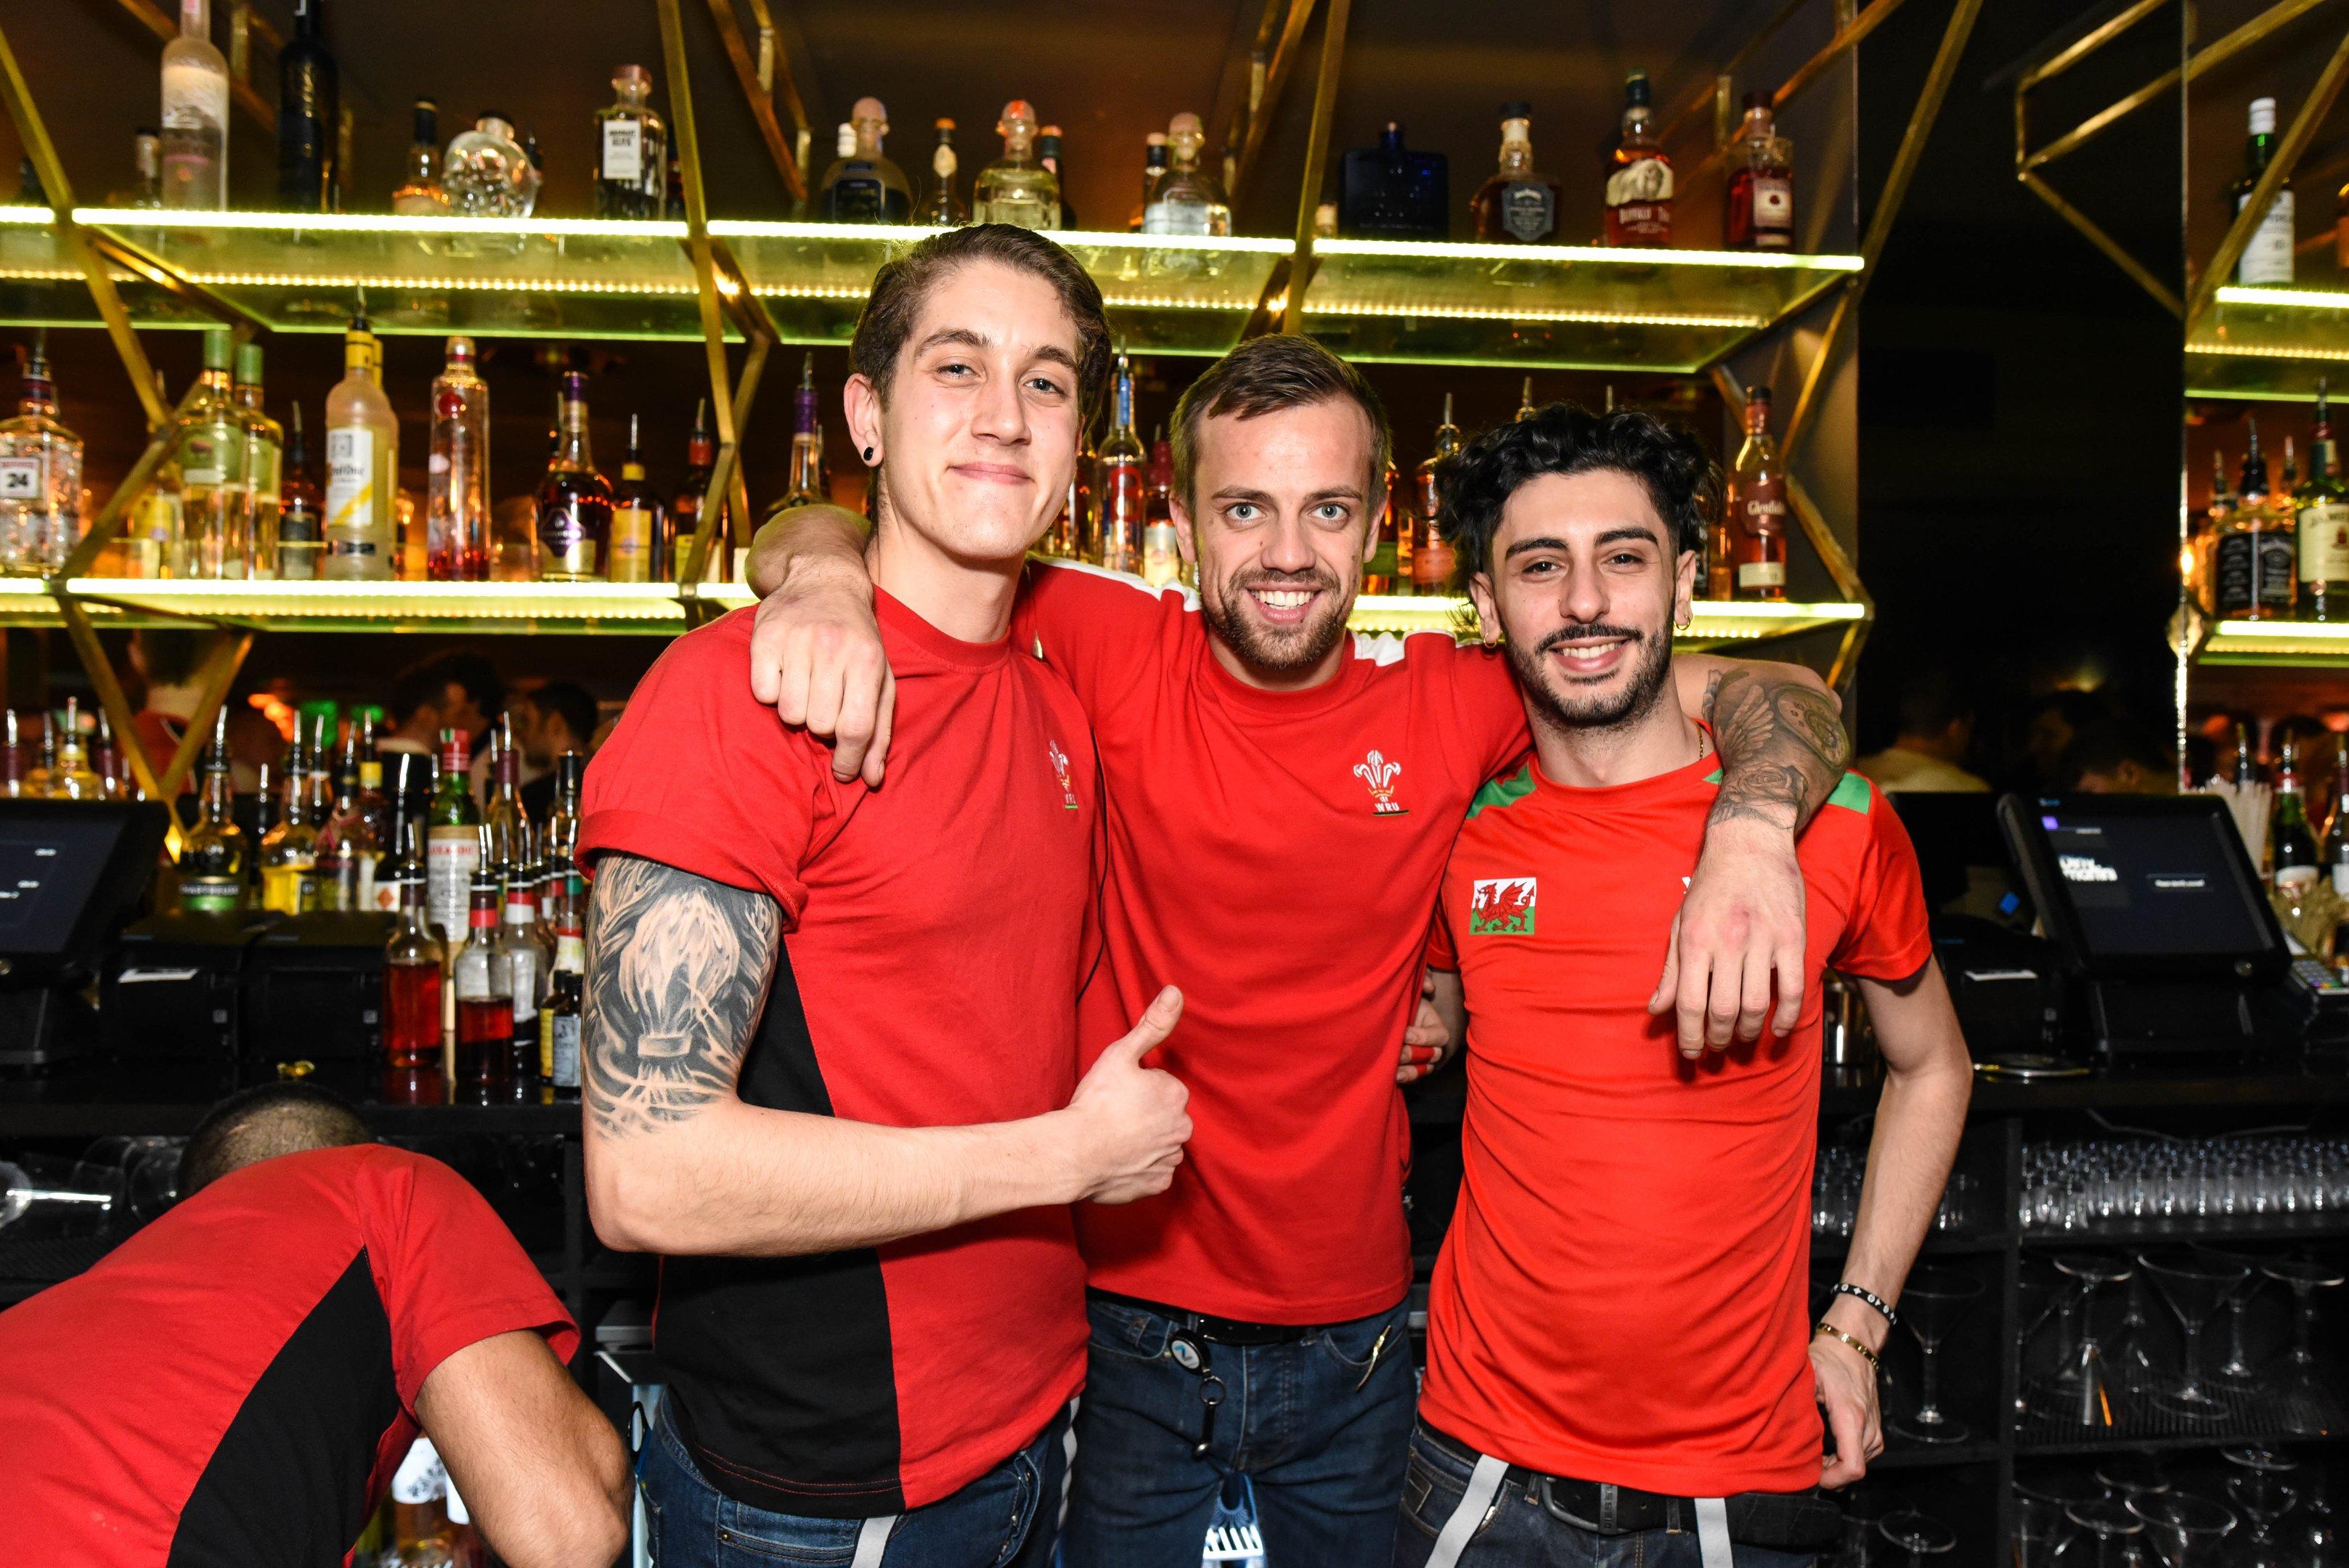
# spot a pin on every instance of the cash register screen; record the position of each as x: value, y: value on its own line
x: 51, y: 865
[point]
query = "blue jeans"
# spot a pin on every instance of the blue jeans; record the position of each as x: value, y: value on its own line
x: 1005, y: 1519
x: 1521, y: 1533
x: 1319, y: 1427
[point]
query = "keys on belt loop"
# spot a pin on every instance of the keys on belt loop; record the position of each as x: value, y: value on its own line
x: 1189, y: 1351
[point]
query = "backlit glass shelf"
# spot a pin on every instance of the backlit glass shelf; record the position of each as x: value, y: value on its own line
x: 643, y: 608
x: 2269, y: 345
x: 576, y: 278
x: 2305, y: 643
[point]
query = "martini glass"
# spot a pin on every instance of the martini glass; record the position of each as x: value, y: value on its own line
x: 2315, y: 1533
x: 2194, y: 1287
x: 1931, y: 1305
x: 2186, y: 1528
x: 2127, y: 1477
x: 2262, y: 1488
x: 2305, y: 1399
x: 2236, y: 1373
x: 2130, y: 1358
x: 1863, y: 1509
x: 2042, y: 1529
x: 1919, y: 1534
x: 2114, y: 1536
x: 2079, y: 1393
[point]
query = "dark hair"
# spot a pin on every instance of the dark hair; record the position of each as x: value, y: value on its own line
x: 261, y: 1122
x: 426, y: 681
x: 1931, y: 702
x: 569, y: 702
x: 170, y: 654
x: 1683, y: 483
x: 1266, y: 374
x: 905, y: 282
x: 2105, y: 745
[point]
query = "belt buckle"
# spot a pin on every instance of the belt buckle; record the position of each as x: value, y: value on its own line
x: 1545, y: 1487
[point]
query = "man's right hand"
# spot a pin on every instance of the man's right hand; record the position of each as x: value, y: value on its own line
x: 1128, y: 1120
x: 816, y: 656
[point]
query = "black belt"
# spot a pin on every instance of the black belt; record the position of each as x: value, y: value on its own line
x: 1219, y: 1330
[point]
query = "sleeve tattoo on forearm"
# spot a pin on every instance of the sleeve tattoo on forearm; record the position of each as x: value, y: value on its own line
x: 678, y: 968
x: 1782, y: 747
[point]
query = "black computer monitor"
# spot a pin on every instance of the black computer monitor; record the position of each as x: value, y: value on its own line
x: 2146, y: 887
x: 70, y: 873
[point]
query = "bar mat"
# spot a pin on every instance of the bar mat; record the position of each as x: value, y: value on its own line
x: 48, y: 1259
x: 2256, y: 1416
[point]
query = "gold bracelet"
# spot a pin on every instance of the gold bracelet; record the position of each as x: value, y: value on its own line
x: 1824, y: 1326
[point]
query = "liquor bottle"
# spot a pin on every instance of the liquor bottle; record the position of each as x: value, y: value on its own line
x: 1756, y: 505
x: 1071, y: 536
x: 457, y: 473
x: 418, y: 194
x: 195, y: 115
x: 1761, y: 182
x: 145, y: 192
x: 71, y: 776
x: 362, y: 466
x: 2267, y: 258
x: 1154, y: 164
x: 40, y: 476
x: 1048, y: 153
x: 212, y: 857
x: 685, y: 511
x: 2321, y: 524
x: 264, y: 467
x: 486, y: 173
x: 373, y: 804
x: 863, y: 186
x: 1527, y: 406
x: 559, y: 1014
x: 632, y: 149
x: 402, y: 838
x: 560, y: 837
x: 1431, y: 557
x: 348, y: 848
x: 453, y: 838
x: 574, y: 501
x: 2336, y: 831
x: 1015, y: 189
x: 1120, y: 487
x: 106, y: 762
x: 12, y: 756
x: 483, y: 980
x: 2254, y: 570
x: 1388, y: 571
x: 1640, y: 187
x: 546, y: 880
x: 309, y: 117
x: 1391, y: 191
x: 289, y: 850
x: 2291, y: 849
x: 1516, y: 206
x: 208, y: 444
x: 301, y: 528
x: 1162, y: 557
x: 505, y: 825
x: 941, y: 207
x: 806, y: 487
x: 267, y: 798
x: 636, y: 519
x: 1188, y: 200
x: 413, y: 961
x: 527, y: 962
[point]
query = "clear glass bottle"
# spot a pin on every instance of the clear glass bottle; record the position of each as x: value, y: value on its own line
x: 1761, y: 182
x: 1016, y: 189
x: 941, y: 206
x: 1431, y: 555
x: 1756, y: 505
x: 1188, y: 200
x: 348, y: 848
x: 1122, y: 487
x: 561, y: 838
x: 145, y: 192
x: 309, y: 117
x: 806, y: 485
x: 212, y: 857
x: 527, y: 961
x: 486, y: 173
x: 40, y: 476
x: 2321, y: 524
x: 1518, y: 205
x: 863, y: 186
x: 1640, y: 181
x: 412, y: 964
x: 505, y: 825
x: 209, y: 447
x: 362, y: 465
x: 195, y: 115
x: 1154, y: 163
x: 2268, y: 258
x: 289, y: 850
x: 685, y: 511
x: 636, y: 518
x: 300, y: 523
x: 1161, y: 556
x: 483, y: 981
x: 264, y: 465
x: 71, y: 777
x: 631, y: 149
x: 574, y: 501
x: 457, y: 474
x: 418, y: 194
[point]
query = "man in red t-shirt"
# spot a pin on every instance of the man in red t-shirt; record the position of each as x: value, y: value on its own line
x: 238, y: 1381
x: 1280, y: 799
x: 1618, y: 1321
x: 831, y: 1035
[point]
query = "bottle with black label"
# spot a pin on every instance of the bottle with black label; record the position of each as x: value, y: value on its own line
x: 2291, y: 848
x: 211, y: 859
x: 631, y: 149
x: 309, y: 117
x: 2254, y: 564
x: 1516, y: 206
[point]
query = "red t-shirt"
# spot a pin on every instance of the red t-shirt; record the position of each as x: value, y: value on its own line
x: 1274, y: 854
x: 1623, y: 1294
x: 237, y: 1382
x: 929, y: 976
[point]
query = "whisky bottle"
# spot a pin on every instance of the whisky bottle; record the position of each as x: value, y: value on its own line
x: 2321, y: 524
x: 574, y: 501
x: 685, y: 511
x: 2254, y: 566
x: 1384, y: 573
x: 212, y: 858
x: 1527, y: 408
x: 1162, y: 557
x: 1431, y: 557
x: 1761, y: 182
x: 2267, y: 258
x: 1516, y: 206
x: 362, y: 465
x: 40, y: 476
x: 863, y: 186
x: 1048, y: 153
x: 941, y: 206
x: 418, y: 194
x: 265, y: 463
x: 457, y: 474
x: 636, y: 519
x: 1016, y: 189
x: 1639, y: 184
x: 299, y: 525
x: 1187, y: 201
x: 1120, y: 488
x: 209, y: 446
x: 289, y: 851
x: 1757, y: 506
x: 631, y: 149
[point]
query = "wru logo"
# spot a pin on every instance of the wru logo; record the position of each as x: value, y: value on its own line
x: 1380, y: 774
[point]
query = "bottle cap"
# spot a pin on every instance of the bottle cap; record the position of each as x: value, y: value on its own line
x: 1757, y: 98
x: 460, y: 348
x: 2263, y: 117
x: 1517, y: 109
x: 633, y: 77
x: 569, y: 769
x: 219, y: 348
x: 843, y: 140
x: 1635, y: 89
x: 248, y: 364
x: 1757, y: 395
x: 1018, y: 114
x: 944, y: 126
x: 869, y: 109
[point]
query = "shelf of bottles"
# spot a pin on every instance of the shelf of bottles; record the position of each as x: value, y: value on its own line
x: 2269, y: 344
x: 2323, y: 644
x: 1421, y: 302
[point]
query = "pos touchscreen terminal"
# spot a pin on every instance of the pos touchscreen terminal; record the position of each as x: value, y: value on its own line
x: 2161, y: 919
x: 71, y: 872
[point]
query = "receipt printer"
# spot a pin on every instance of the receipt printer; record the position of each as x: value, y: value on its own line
x: 169, y: 992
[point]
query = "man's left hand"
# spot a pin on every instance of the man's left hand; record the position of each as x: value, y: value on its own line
x: 1740, y: 926
x: 1426, y: 1044
x: 1846, y: 1384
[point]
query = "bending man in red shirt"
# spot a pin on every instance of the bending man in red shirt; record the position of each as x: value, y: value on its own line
x: 1618, y: 1323
x: 237, y: 1382
x: 831, y: 1032
x: 1281, y: 796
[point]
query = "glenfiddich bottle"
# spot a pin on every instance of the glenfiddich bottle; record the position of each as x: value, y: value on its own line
x: 1757, y: 506
x: 211, y: 859
x: 1639, y: 184
x: 2322, y: 524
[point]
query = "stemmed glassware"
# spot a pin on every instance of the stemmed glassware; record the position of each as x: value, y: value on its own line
x: 2236, y: 1372
x: 2128, y: 1476
x: 1919, y: 1534
x: 2305, y: 1399
x: 2078, y: 1393
x: 2042, y: 1529
x: 2194, y: 1287
x: 2261, y: 1487
x: 2186, y: 1528
x: 1931, y: 1305
x: 2118, y: 1535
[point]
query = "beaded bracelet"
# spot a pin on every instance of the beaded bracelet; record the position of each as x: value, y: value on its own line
x: 1824, y: 1326
x: 1861, y: 1292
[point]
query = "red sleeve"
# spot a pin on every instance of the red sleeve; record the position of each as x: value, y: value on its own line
x: 1477, y: 699
x: 1441, y: 955
x: 1101, y: 630
x: 700, y: 775
x: 450, y: 1272
x: 1887, y: 936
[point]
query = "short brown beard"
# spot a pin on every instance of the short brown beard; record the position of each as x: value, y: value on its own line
x: 1272, y: 653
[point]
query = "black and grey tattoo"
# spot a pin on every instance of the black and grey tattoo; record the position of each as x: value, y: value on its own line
x: 1782, y: 747
x: 678, y: 968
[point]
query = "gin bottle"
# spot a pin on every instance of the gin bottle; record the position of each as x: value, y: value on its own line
x: 631, y: 149
x: 1016, y: 189
x: 209, y: 447
x: 40, y: 476
x: 264, y: 450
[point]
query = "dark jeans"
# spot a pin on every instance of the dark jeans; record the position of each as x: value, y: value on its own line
x: 1005, y: 1519
x: 1319, y: 1427
x: 1521, y: 1533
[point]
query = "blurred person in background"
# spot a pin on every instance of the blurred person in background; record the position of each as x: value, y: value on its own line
x: 549, y: 720
x: 2120, y: 757
x: 168, y: 662
x: 1937, y: 727
x: 456, y: 691
x: 2053, y: 721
